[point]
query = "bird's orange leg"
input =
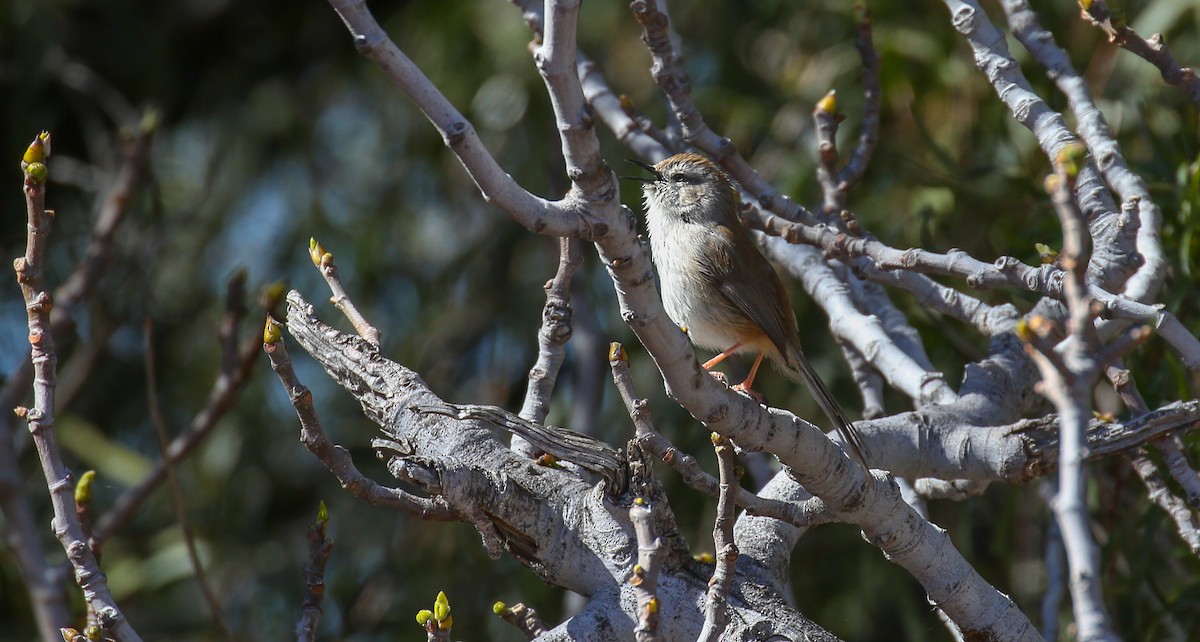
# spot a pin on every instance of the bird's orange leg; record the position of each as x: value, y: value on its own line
x: 745, y: 385
x: 708, y: 365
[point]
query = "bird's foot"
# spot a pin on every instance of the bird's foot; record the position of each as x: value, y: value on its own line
x: 753, y: 394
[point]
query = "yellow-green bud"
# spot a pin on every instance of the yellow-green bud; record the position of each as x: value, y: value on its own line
x: 38, y: 150
x: 83, y: 489
x: 440, y: 611
x: 652, y: 605
x: 150, y: 119
x: 423, y: 616
x: 37, y: 171
x: 272, y: 331
x: 828, y: 103
x: 616, y: 352
x: 315, y: 251
x: 499, y: 608
x: 322, y: 514
x: 1048, y: 254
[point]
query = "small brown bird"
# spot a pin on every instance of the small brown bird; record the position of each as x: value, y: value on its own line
x: 715, y: 282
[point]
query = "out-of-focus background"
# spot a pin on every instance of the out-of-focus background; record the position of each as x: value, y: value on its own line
x: 273, y: 130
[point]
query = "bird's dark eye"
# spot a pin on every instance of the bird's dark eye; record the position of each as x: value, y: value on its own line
x: 678, y: 177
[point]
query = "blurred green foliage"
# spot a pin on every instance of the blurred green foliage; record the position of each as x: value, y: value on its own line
x: 275, y: 130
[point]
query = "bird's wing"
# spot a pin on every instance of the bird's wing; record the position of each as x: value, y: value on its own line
x: 763, y: 301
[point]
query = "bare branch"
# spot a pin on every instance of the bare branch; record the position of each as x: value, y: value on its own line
x: 336, y: 458
x: 1153, y: 51
x: 22, y: 533
x: 177, y: 502
x: 553, y: 336
x: 224, y: 393
x: 323, y: 261
x: 1113, y: 260
x: 800, y: 514
x: 537, y: 214
x: 1013, y: 89
x: 645, y: 573
x: 59, y: 480
x: 825, y: 121
x: 1068, y: 383
x: 868, y: 135
x: 319, y: 549
x: 716, y: 614
x: 1185, y: 519
x: 524, y: 618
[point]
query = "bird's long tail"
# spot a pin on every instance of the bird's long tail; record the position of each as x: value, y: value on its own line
x: 850, y: 437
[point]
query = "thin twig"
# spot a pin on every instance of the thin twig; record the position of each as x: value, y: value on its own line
x: 1055, y: 568
x: 336, y: 458
x: 1153, y: 51
x: 224, y: 393
x: 524, y: 618
x: 1068, y: 384
x: 23, y: 537
x: 803, y: 514
x: 1185, y: 518
x: 716, y: 604
x: 497, y: 186
x: 553, y: 336
x: 868, y: 135
x: 644, y: 577
x: 323, y: 261
x: 59, y: 480
x: 825, y: 121
x: 319, y: 548
x: 177, y: 501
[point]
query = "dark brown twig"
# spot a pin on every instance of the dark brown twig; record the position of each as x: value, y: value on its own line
x: 177, y: 501
x: 868, y: 135
x: 224, y: 393
x: 319, y: 548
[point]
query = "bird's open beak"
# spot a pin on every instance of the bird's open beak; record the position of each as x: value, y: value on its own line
x: 646, y: 166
